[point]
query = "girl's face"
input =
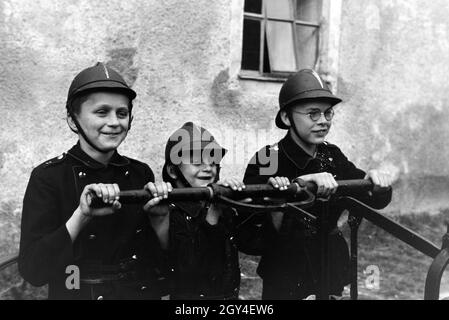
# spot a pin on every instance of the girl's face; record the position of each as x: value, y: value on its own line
x: 199, y: 175
x: 311, y: 132
x: 104, y: 118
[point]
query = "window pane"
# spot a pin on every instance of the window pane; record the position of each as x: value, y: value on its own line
x: 266, y: 59
x: 251, y: 45
x: 279, y: 9
x: 280, y: 46
x: 306, y: 46
x: 253, y: 6
x: 308, y: 10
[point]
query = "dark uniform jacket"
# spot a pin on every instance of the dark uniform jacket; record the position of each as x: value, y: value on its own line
x: 120, y: 247
x: 290, y: 257
x: 202, y: 258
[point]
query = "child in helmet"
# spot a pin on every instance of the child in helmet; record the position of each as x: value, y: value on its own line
x: 201, y: 238
x: 290, y: 254
x: 80, y: 251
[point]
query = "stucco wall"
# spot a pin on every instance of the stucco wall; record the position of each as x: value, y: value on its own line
x: 182, y: 57
x: 393, y: 76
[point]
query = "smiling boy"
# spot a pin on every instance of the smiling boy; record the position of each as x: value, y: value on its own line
x: 290, y: 253
x: 200, y: 238
x: 112, y: 247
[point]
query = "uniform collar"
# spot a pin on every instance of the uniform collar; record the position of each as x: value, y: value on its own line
x: 77, y: 153
x: 295, y: 153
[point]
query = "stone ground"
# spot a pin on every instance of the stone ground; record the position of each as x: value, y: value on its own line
x: 402, y: 269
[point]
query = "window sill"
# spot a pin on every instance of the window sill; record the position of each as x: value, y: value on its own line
x: 254, y: 75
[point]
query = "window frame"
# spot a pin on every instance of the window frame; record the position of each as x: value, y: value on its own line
x: 263, y: 19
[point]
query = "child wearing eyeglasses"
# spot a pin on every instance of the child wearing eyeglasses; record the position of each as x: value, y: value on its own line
x: 290, y: 253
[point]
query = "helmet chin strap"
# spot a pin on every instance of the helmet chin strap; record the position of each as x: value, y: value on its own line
x: 292, y: 125
x: 181, y: 177
x: 83, y: 134
x: 81, y: 131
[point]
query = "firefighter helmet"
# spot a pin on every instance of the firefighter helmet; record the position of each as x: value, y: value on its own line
x: 306, y: 84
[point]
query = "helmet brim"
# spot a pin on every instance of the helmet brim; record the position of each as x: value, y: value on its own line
x: 200, y: 146
x: 110, y: 85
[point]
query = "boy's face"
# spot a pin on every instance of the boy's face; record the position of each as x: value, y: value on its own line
x: 310, y: 131
x: 104, y: 118
x: 199, y: 174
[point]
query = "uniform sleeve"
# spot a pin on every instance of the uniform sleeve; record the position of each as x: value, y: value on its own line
x: 45, y: 244
x: 160, y: 255
x: 347, y: 170
x: 258, y: 167
x: 252, y: 175
x: 149, y: 175
x: 255, y: 230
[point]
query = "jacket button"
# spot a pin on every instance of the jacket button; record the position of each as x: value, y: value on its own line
x: 100, y: 298
x: 92, y: 237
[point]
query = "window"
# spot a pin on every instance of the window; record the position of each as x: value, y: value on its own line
x: 280, y: 36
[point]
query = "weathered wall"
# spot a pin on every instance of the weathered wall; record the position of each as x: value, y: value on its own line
x: 393, y: 76
x: 182, y: 57
x: 174, y: 53
x: 389, y: 61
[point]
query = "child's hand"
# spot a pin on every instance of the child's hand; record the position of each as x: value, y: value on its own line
x: 109, y: 193
x: 381, y: 180
x: 326, y: 184
x: 234, y: 184
x: 280, y: 183
x: 160, y: 191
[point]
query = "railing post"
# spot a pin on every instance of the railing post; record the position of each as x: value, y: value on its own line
x: 323, y: 238
x: 354, y: 223
x: 445, y: 244
x: 436, y: 270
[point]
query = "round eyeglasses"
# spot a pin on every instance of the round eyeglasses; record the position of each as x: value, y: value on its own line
x: 315, y: 115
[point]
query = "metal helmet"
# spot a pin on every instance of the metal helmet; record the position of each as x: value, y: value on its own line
x: 92, y: 79
x: 194, y: 140
x: 97, y: 78
x: 306, y: 84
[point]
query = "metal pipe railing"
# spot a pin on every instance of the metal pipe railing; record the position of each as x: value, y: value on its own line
x: 8, y: 260
x: 397, y: 230
x: 436, y: 270
x: 298, y: 189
